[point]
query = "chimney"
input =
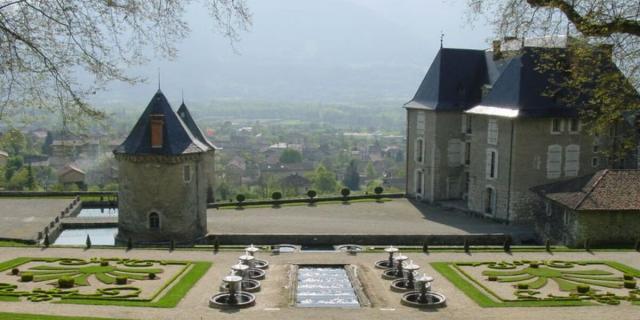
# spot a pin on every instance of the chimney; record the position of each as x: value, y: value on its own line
x: 157, y: 129
x: 497, y: 51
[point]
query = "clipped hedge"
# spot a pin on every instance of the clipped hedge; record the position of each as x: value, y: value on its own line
x: 583, y: 289
x: 630, y: 284
x: 26, y: 276
x: 66, y: 282
x: 151, y: 275
x: 121, y: 280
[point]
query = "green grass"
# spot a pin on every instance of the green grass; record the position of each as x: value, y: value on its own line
x: 10, y: 243
x: 479, y: 297
x: 26, y: 316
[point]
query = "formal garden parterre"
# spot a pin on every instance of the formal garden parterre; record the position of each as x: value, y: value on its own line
x: 530, y: 283
x: 104, y: 281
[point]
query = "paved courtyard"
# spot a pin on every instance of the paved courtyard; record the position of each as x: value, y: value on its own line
x: 22, y: 219
x: 272, y: 301
x: 396, y: 217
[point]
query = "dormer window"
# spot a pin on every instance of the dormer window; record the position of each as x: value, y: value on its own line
x: 157, y: 129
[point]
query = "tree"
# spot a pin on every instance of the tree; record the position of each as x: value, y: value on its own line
x: 46, y: 44
x: 290, y: 156
x: 351, y: 176
x: 323, y: 180
x: 46, y: 146
x: 371, y: 171
x: 599, y: 31
x: 31, y: 182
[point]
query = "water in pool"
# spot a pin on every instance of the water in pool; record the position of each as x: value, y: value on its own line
x: 98, y: 212
x: 99, y: 236
x: 325, y: 287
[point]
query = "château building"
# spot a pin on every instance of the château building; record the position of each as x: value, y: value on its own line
x: 485, y: 127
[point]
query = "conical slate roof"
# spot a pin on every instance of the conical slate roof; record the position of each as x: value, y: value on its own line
x: 454, y: 81
x: 177, y: 138
x: 187, y: 119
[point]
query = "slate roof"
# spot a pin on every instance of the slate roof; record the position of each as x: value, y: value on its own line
x: 454, y: 81
x: 606, y: 190
x: 177, y: 138
x: 515, y: 85
x: 186, y: 117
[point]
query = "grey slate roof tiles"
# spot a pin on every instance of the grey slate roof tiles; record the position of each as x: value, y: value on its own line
x: 178, y: 139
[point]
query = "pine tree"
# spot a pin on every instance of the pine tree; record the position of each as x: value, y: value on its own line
x: 88, y: 242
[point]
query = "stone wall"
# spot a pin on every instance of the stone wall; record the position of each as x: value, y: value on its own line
x: 159, y: 187
x: 607, y: 227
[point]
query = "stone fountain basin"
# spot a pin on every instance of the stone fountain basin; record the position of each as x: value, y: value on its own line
x: 221, y: 301
x: 411, y: 299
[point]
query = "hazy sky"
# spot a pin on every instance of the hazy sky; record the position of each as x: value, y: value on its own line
x: 301, y: 50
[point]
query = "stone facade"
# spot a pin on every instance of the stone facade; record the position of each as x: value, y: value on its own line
x: 158, y: 185
x: 523, y: 161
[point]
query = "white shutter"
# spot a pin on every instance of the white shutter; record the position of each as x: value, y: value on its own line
x: 572, y: 160
x: 421, y: 119
x: 454, y: 152
x: 492, y: 132
x: 554, y: 161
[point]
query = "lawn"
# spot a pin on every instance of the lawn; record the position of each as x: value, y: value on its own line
x: 579, y: 283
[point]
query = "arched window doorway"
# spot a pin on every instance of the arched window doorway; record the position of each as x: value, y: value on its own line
x: 154, y: 220
x: 419, y: 183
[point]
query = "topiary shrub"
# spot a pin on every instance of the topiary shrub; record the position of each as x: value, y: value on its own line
x: 240, y: 198
x: 151, y: 275
x: 466, y: 245
x: 311, y: 194
x: 492, y: 278
x: 121, y: 280
x: 129, y: 244
x: 104, y: 263
x: 522, y: 286
x: 88, y: 242
x: 583, y: 289
x: 277, y: 195
x: 345, y: 192
x: 66, y: 282
x: 26, y: 277
x: 547, y: 245
x: 15, y: 271
x: 627, y: 276
x: 534, y: 265
x: 630, y: 284
x: 172, y: 245
x: 46, y: 242
x: 378, y: 190
x: 507, y: 244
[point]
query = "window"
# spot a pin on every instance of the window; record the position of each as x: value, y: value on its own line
x: 492, y: 132
x: 554, y: 161
x: 467, y: 153
x: 419, y: 150
x: 595, y: 162
x: 557, y: 125
x: 421, y: 122
x: 492, y: 164
x: 548, y: 209
x: 572, y: 160
x: 489, y: 200
x: 454, y: 150
x: 566, y: 217
x: 154, y: 220
x: 419, y: 182
x: 596, y: 148
x: 466, y: 123
x: 574, y: 125
x: 186, y: 173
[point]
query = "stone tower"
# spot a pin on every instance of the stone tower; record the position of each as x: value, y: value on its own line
x: 165, y: 170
